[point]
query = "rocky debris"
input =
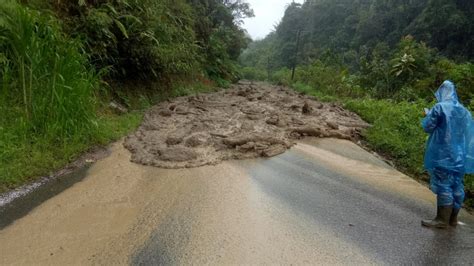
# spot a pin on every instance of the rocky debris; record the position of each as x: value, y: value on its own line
x: 307, y: 109
x: 248, y: 120
x: 174, y: 140
x: 165, y: 112
x: 197, y: 140
x: 178, y: 154
x: 274, y: 151
x: 332, y: 125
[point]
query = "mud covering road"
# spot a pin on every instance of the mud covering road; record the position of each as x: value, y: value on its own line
x: 325, y: 201
x: 248, y: 120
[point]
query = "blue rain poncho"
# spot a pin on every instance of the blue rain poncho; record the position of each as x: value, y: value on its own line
x: 450, y: 146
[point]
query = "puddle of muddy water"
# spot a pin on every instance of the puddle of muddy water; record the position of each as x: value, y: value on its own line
x: 19, y: 203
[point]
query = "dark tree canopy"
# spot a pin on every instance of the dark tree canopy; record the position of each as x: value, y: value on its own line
x: 355, y: 27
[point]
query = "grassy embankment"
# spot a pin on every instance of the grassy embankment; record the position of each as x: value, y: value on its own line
x: 25, y: 159
x: 396, y: 132
x: 54, y: 104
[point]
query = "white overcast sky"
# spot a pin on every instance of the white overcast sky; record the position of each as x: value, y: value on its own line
x: 267, y: 14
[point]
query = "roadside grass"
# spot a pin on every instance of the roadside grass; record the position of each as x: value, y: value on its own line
x: 24, y: 160
x: 47, y: 95
x: 46, y: 85
x: 396, y: 131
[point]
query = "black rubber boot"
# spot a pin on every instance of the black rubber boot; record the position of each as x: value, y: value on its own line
x: 453, y: 221
x: 442, y: 218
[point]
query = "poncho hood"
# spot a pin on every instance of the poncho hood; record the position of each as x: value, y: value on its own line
x: 447, y: 92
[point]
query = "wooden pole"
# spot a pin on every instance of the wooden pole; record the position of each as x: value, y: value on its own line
x: 295, y: 60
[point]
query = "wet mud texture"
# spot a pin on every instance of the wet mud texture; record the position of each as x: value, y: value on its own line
x: 248, y: 120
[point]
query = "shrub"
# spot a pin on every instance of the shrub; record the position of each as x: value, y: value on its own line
x: 463, y: 77
x: 135, y: 39
x: 282, y: 76
x: 253, y: 73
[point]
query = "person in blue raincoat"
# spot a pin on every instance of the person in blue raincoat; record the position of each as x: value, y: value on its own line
x: 449, y: 154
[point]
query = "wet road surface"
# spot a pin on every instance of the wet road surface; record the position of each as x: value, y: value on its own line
x: 322, y: 202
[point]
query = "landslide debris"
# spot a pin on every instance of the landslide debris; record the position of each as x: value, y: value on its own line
x: 248, y: 120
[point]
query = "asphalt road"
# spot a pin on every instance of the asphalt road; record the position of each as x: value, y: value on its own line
x: 322, y: 202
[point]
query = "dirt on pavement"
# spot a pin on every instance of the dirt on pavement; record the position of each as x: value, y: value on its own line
x: 248, y: 120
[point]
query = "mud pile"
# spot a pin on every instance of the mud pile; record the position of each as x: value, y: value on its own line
x: 248, y: 120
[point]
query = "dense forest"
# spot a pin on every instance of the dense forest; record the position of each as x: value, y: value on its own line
x: 62, y: 62
x: 391, y: 46
x: 382, y: 59
x: 354, y: 27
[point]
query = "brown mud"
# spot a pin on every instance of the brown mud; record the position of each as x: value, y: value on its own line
x: 248, y: 120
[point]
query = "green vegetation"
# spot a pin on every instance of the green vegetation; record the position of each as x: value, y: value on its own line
x: 410, y: 71
x: 22, y: 161
x: 62, y: 62
x: 349, y: 30
x: 44, y: 76
x: 157, y: 40
x: 382, y: 59
x: 47, y: 98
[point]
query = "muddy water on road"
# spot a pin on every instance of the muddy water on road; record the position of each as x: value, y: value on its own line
x: 229, y: 220
x: 22, y: 201
x: 282, y: 210
x: 120, y: 209
x: 74, y: 225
